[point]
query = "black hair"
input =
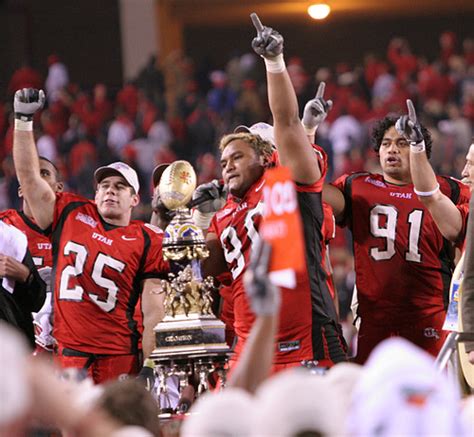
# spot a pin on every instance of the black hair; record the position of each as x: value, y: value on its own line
x: 386, y: 123
x: 43, y: 158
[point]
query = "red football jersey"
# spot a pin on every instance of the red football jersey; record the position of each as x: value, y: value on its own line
x: 403, y: 264
x: 39, y: 243
x: 39, y: 246
x: 236, y: 226
x: 98, y: 271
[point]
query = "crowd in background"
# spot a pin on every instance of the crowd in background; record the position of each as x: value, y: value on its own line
x: 178, y: 108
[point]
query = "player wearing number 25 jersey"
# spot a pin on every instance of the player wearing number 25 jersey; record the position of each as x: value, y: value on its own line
x: 98, y: 269
x: 403, y: 264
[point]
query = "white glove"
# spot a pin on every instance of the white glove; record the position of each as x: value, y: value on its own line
x: 264, y: 296
x: 26, y: 102
x: 316, y: 111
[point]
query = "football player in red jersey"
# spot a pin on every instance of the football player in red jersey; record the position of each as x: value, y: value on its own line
x: 101, y: 259
x: 308, y: 329
x: 39, y: 246
x: 449, y: 217
x: 403, y: 263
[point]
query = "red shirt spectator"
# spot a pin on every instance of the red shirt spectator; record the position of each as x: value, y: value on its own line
x: 25, y: 77
x: 402, y: 59
x: 127, y: 97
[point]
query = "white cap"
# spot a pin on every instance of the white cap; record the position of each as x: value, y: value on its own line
x: 264, y: 130
x: 119, y: 169
x: 14, y: 387
x: 225, y: 413
x: 294, y: 401
x: 401, y: 393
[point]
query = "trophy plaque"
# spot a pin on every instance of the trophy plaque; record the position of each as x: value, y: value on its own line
x: 190, y: 340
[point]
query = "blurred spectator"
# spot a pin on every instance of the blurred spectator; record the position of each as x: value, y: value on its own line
x: 57, y: 79
x: 249, y: 107
x: 345, y: 133
x: 221, y: 98
x: 400, y: 56
x: 120, y: 132
x: 25, y: 77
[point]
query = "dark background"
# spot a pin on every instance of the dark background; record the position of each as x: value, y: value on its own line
x: 86, y: 35
x: 337, y: 39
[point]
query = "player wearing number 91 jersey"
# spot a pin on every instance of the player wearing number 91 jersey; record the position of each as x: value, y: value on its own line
x: 98, y: 269
x: 403, y: 264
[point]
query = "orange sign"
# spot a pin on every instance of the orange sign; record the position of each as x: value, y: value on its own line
x: 281, y: 227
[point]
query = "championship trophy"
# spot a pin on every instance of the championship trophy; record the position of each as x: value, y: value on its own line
x: 190, y: 340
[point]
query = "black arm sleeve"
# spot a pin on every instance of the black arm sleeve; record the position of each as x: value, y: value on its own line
x: 32, y: 294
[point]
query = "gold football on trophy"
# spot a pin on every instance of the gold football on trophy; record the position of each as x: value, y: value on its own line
x: 177, y: 184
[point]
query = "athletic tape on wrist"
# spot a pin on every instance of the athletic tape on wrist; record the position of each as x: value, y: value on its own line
x: 417, y: 147
x: 202, y: 219
x: 276, y: 64
x: 23, y: 125
x: 309, y: 130
x: 426, y: 193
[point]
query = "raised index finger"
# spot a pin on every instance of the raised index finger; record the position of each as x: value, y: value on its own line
x: 256, y: 22
x: 411, y: 111
x: 320, y: 92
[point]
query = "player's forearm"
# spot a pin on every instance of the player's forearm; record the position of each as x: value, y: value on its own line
x: 35, y: 189
x: 282, y: 99
x: 423, y: 176
x: 445, y: 214
x: 290, y: 136
x: 153, y: 312
x: 333, y: 196
x: 467, y: 296
x: 256, y: 360
x: 25, y: 157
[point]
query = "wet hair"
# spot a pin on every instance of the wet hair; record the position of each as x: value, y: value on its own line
x: 58, y: 175
x: 261, y: 147
x: 130, y: 404
x: 386, y: 123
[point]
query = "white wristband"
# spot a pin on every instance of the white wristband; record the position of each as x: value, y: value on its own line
x: 417, y: 147
x: 309, y: 130
x: 426, y: 193
x: 23, y: 125
x: 276, y: 64
x: 202, y: 219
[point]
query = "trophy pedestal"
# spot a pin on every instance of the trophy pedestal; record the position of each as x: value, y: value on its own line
x: 189, y: 336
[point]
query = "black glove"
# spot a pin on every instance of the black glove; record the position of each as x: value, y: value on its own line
x: 268, y: 43
x: 147, y: 374
x: 408, y: 125
x: 210, y: 197
x: 264, y: 297
x: 26, y: 102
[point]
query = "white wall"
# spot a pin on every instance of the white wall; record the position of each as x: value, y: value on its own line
x: 138, y: 34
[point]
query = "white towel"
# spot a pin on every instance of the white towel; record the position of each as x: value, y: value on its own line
x: 13, y: 243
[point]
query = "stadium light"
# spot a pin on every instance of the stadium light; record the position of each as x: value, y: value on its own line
x: 319, y: 11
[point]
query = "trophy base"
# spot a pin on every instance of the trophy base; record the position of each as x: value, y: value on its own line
x: 189, y: 337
